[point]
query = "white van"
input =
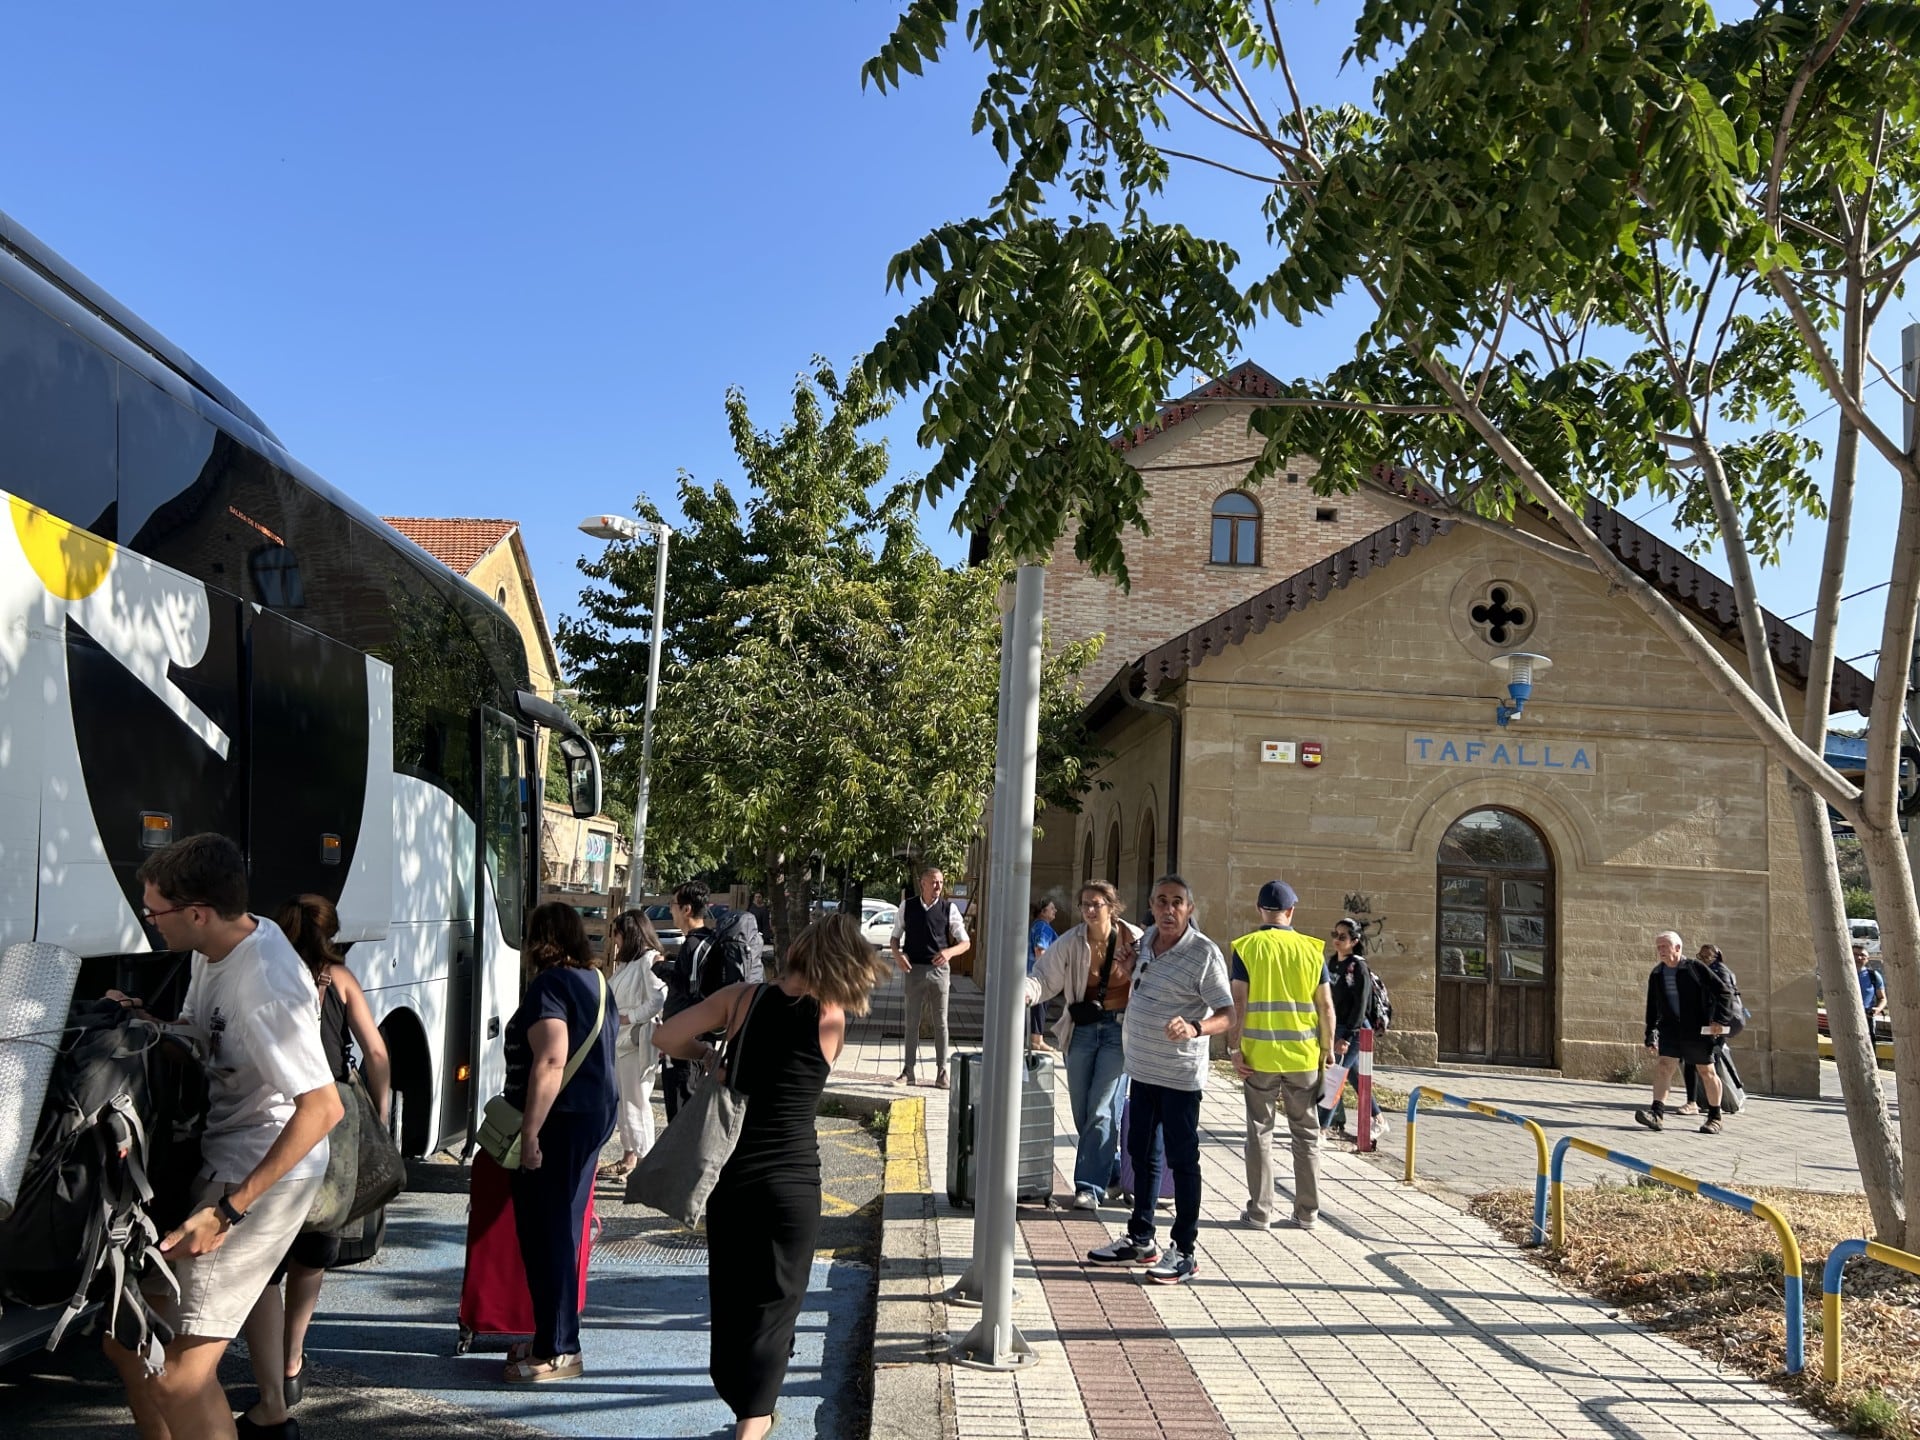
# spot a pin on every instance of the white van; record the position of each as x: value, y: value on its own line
x: 1867, y: 931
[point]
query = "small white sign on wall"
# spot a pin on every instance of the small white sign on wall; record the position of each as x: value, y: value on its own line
x: 1276, y: 752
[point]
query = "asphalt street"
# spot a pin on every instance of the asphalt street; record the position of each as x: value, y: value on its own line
x: 382, y: 1362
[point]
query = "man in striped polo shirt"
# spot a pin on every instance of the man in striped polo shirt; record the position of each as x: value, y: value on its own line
x: 1180, y: 996
x: 1282, y: 1042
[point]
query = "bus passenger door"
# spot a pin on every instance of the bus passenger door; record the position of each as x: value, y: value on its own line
x: 500, y: 902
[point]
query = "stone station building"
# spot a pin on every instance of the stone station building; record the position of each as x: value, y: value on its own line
x: 1304, y: 687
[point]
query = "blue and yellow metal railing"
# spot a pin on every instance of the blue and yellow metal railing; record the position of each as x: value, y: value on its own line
x: 1830, y: 1293
x: 1480, y: 1107
x: 1746, y: 1204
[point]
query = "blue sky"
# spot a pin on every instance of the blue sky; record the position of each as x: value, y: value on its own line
x: 505, y: 261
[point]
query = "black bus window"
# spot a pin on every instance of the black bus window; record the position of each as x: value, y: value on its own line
x: 57, y: 434
x: 167, y: 480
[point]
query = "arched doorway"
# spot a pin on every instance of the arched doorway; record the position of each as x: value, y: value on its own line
x: 1086, y: 860
x: 1494, y: 992
x: 1113, y: 853
x: 1144, y: 870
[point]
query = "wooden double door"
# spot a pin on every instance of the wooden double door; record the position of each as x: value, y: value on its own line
x: 1494, y: 1000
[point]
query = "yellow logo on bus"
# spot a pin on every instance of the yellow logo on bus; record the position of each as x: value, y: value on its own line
x: 70, y: 562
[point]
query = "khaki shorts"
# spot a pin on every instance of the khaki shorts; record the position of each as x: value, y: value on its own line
x: 218, y: 1290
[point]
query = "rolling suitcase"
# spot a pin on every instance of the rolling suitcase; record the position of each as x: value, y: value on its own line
x: 1035, y: 1172
x: 1126, y: 1161
x: 494, y: 1299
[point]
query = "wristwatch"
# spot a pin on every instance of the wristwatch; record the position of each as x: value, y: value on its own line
x: 228, y: 1213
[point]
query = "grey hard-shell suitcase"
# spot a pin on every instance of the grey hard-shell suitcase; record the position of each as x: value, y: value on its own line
x: 1035, y: 1170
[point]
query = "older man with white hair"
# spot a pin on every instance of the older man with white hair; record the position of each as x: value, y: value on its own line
x: 1685, y: 1001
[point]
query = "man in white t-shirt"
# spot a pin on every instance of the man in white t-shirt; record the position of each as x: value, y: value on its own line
x: 271, y: 1102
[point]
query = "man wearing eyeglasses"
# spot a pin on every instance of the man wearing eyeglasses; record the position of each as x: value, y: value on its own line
x: 270, y: 1103
x: 1179, y: 997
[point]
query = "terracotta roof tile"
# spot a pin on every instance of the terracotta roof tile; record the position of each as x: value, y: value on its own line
x: 456, y: 543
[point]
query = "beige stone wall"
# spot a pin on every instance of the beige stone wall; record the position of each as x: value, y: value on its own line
x: 1679, y: 825
x: 1174, y: 584
x: 496, y: 572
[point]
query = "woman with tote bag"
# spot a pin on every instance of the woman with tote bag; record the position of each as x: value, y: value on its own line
x: 560, y: 1067
x: 763, y: 1214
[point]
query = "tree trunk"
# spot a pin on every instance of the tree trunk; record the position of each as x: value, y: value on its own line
x: 1899, y: 918
x: 776, y: 862
x: 1876, y: 1144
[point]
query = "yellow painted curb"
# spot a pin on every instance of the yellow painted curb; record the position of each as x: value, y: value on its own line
x: 1881, y: 1049
x: 907, y: 1171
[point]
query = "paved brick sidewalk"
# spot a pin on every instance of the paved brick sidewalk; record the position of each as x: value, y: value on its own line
x: 1461, y: 1337
x: 1798, y: 1144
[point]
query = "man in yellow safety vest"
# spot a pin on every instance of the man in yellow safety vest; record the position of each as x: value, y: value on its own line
x: 1282, y: 1042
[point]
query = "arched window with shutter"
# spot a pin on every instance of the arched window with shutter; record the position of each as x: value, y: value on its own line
x: 1236, y: 529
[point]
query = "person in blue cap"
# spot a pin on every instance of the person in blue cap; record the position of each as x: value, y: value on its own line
x: 1281, y: 1043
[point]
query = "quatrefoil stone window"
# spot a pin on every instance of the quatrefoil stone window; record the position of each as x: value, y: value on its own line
x: 1502, y: 616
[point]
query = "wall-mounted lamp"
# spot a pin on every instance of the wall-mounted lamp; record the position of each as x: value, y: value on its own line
x: 1519, y: 667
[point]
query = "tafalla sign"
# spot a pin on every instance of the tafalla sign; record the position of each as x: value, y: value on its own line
x: 1477, y: 752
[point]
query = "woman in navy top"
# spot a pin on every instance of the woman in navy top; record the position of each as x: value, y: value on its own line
x: 562, y: 1129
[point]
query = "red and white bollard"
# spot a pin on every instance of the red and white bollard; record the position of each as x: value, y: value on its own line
x: 1363, y: 1085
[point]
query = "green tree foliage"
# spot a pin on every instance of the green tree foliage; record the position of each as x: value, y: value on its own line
x: 1608, y: 251
x: 828, y: 688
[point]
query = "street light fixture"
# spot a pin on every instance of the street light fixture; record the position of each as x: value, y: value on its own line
x: 619, y: 527
x: 1519, y: 666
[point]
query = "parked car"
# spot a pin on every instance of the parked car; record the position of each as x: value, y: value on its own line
x: 877, y: 919
x: 663, y: 926
x: 1865, y: 930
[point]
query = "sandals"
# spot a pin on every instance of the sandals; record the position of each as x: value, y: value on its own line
x: 616, y: 1170
x: 528, y: 1371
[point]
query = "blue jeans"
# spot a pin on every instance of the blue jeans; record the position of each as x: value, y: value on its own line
x: 1096, y: 1086
x: 1338, y: 1114
x: 1165, y: 1122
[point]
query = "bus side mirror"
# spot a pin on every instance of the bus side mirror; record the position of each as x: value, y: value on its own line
x: 583, y: 777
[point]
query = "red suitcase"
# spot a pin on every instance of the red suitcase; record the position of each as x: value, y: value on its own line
x: 494, y: 1299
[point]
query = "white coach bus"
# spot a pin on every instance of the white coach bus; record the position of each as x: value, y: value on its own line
x: 196, y: 633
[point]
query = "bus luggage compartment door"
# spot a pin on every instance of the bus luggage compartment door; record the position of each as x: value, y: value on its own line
x: 321, y: 785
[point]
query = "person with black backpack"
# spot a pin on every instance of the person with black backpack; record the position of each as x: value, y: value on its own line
x: 271, y: 1103
x: 717, y: 949
x: 1355, y: 1008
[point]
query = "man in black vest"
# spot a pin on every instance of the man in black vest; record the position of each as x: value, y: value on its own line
x: 926, y: 937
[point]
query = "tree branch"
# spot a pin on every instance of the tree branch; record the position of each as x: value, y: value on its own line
x: 1560, y: 554
x: 1830, y: 377
x: 1779, y: 737
x: 1493, y: 350
x: 1784, y: 131
x: 1240, y: 87
x: 1293, y: 90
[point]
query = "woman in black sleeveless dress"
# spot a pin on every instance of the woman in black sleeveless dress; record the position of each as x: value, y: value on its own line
x: 764, y: 1214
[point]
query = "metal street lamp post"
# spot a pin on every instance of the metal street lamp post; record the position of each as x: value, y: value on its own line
x: 619, y: 527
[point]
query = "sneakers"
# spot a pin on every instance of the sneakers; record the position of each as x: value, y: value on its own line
x: 940, y: 1081
x: 1378, y: 1128
x: 1712, y: 1127
x: 1297, y: 1222
x: 1688, y: 1109
x: 1651, y: 1119
x: 1126, y: 1251
x: 1178, y: 1268
x: 1253, y: 1222
x: 1085, y: 1200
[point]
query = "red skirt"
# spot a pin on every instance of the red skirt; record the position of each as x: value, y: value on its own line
x: 494, y: 1299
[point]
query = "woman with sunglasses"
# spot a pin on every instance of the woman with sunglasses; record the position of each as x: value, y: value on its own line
x: 1092, y: 966
x: 1352, y: 983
